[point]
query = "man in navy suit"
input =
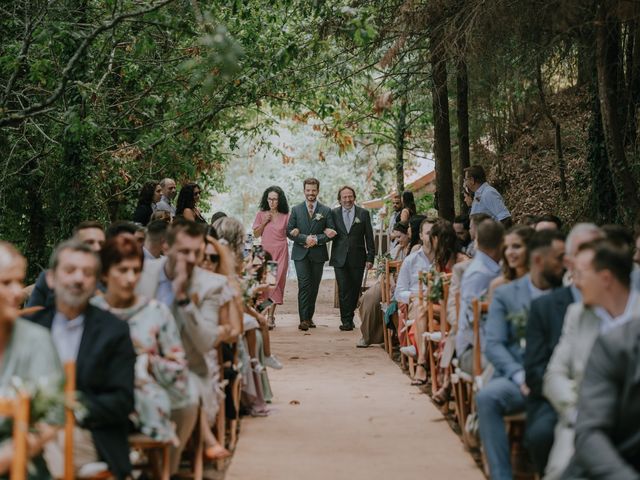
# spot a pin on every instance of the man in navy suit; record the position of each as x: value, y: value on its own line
x: 353, y: 249
x: 100, y: 345
x: 306, y: 228
x: 544, y: 327
x: 505, y: 393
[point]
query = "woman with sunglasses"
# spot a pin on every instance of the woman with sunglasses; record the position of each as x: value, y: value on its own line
x: 271, y: 225
x: 187, y: 204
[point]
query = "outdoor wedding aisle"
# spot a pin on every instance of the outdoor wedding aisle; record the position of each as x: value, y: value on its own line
x: 343, y: 413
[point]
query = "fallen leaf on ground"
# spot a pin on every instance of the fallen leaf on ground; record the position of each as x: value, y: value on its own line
x: 294, y: 402
x: 327, y: 353
x: 370, y: 373
x: 294, y: 358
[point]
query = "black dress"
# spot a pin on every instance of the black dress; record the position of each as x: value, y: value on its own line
x: 142, y: 215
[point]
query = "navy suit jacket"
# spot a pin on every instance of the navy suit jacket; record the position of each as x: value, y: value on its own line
x: 315, y: 225
x: 358, y: 243
x: 104, y: 377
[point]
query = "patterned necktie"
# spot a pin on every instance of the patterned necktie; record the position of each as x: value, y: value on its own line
x: 310, y: 209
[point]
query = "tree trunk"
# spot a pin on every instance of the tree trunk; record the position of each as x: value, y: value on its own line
x: 464, y: 157
x: 401, y: 128
x: 608, y: 63
x: 558, y: 134
x: 442, y: 135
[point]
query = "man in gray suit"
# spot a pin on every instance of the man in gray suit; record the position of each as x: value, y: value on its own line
x: 353, y: 249
x: 505, y: 393
x: 307, y: 225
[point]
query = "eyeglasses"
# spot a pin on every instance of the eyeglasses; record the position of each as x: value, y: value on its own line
x: 213, y: 257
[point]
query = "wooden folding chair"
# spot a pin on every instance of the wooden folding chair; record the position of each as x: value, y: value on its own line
x: 391, y: 269
x: 18, y: 409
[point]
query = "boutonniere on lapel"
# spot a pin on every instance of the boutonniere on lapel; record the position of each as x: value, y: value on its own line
x: 519, y: 322
x: 476, y: 198
x: 356, y: 220
x: 318, y: 217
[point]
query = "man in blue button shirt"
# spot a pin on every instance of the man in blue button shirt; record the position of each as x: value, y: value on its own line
x: 486, y: 199
x: 484, y: 268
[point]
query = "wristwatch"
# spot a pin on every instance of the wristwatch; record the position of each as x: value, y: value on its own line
x: 184, y: 302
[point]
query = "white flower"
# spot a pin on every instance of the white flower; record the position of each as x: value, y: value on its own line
x: 318, y: 216
x: 357, y: 220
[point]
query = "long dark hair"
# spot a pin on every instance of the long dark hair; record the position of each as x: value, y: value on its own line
x: 409, y: 202
x: 447, y: 247
x: 283, y: 206
x: 146, y: 193
x: 186, y: 199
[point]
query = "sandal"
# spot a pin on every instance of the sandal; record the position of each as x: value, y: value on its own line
x: 416, y: 382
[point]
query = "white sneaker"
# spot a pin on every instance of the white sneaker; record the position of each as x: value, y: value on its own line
x: 273, y: 362
x: 409, y: 351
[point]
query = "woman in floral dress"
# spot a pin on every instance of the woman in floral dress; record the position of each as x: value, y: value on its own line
x: 161, y: 373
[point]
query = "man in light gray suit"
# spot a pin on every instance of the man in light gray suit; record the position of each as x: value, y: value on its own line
x: 602, y: 274
x: 505, y: 393
x: 192, y: 294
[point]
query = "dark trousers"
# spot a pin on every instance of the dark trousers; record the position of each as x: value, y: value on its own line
x: 309, y: 277
x: 538, y: 437
x: 349, y: 278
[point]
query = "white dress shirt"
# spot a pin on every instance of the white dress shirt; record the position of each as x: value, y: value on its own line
x: 408, y: 277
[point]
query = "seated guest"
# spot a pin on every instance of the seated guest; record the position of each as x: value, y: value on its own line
x: 607, y: 441
x: 476, y: 279
x: 195, y: 297
x: 120, y: 227
x: 187, y: 204
x: 370, y: 312
x: 514, y: 257
x: 408, y: 285
x: 150, y: 194
x: 162, y: 377
x: 602, y: 274
x: 461, y: 225
x: 17, y: 342
x: 505, y: 393
x: 548, y: 222
x: 544, y: 325
x: 444, y: 245
x: 161, y: 215
x: 474, y: 221
x: 155, y: 244
x: 394, y: 218
x: 90, y: 233
x: 100, y: 345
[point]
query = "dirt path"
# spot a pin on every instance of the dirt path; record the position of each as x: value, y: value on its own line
x: 343, y: 413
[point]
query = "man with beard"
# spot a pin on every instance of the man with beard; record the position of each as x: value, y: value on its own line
x: 306, y: 227
x: 100, y: 345
x: 505, y: 393
x: 396, y: 203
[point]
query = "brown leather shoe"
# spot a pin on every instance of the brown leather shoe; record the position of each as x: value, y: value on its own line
x: 311, y: 324
x: 304, y: 326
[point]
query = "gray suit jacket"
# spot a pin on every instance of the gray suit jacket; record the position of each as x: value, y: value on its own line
x: 502, y: 346
x: 197, y: 322
x: 315, y: 225
x: 566, y: 367
x: 608, y: 426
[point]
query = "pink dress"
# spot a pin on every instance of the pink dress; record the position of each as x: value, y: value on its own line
x: 274, y: 241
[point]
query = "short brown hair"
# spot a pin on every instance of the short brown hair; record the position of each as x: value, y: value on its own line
x: 311, y: 181
x: 477, y: 173
x: 490, y: 234
x: 608, y: 255
x: 88, y: 224
x: 119, y: 248
x: 188, y: 227
x: 346, y: 187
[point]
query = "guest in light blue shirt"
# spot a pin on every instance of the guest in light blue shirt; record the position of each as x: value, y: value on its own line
x: 486, y: 199
x: 415, y: 263
x: 475, y: 283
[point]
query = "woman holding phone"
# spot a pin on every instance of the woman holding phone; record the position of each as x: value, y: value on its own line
x: 271, y: 225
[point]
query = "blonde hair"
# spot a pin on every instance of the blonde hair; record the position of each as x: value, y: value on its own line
x: 232, y: 231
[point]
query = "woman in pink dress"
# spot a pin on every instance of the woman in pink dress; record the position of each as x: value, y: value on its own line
x: 271, y: 224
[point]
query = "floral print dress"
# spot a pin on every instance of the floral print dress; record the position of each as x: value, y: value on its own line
x: 161, y: 373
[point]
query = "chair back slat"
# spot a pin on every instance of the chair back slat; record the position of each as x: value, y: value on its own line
x: 69, y: 420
